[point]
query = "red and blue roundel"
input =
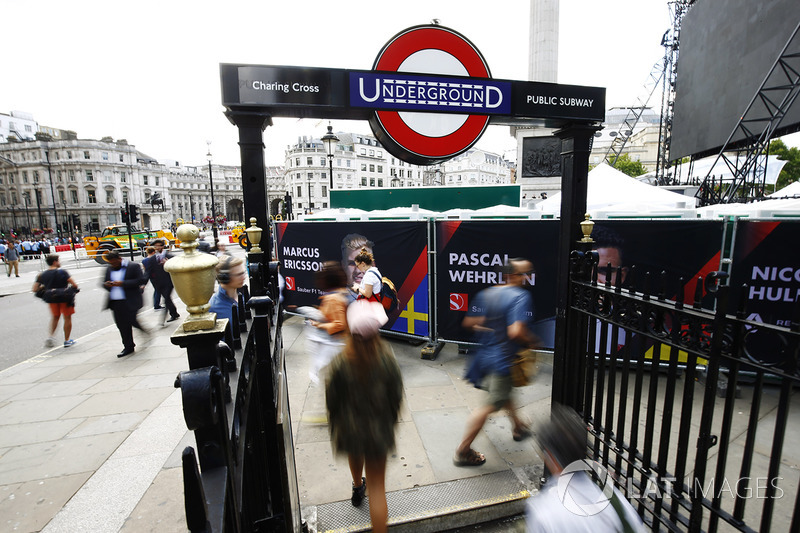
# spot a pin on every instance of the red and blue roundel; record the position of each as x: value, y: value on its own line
x: 426, y: 138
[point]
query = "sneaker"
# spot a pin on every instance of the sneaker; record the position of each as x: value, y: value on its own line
x: 50, y: 342
x: 358, y: 493
x: 68, y: 343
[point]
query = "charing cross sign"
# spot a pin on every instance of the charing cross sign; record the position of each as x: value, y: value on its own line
x: 429, y: 96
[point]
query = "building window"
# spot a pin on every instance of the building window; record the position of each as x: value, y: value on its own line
x: 58, y: 176
x: 71, y: 175
x: 310, y: 175
x: 124, y: 196
x: 90, y: 195
x: 380, y: 169
x: 348, y: 163
x: 322, y: 161
x: 10, y: 177
x: 36, y: 176
x: 120, y: 158
x: 363, y: 167
x: 363, y: 182
x: 61, y: 197
x: 297, y: 161
x: 73, y: 196
x: 380, y: 183
x: 105, y: 156
x: 107, y: 176
x: 372, y: 168
x: 156, y: 178
x: 24, y: 176
x: 109, y: 197
x: 372, y: 182
x: 310, y: 161
x: 89, y: 175
x: 69, y: 154
x: 299, y: 191
x: 122, y: 177
x: 147, y: 197
x: 86, y: 155
x: 144, y: 180
x: 324, y: 190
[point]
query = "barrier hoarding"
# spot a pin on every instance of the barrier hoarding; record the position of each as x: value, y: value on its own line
x: 401, y: 254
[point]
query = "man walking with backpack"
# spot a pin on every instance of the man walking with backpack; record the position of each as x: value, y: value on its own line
x: 56, y: 278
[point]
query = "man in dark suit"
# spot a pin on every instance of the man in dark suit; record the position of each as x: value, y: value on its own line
x: 124, y: 281
x: 161, y: 280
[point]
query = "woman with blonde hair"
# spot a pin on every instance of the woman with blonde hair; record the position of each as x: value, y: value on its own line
x: 364, y: 391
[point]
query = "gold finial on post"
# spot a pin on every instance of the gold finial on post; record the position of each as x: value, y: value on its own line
x: 586, y: 227
x: 193, y: 277
x: 254, y: 236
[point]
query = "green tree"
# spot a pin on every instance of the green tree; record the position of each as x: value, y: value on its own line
x: 791, y: 170
x: 626, y: 165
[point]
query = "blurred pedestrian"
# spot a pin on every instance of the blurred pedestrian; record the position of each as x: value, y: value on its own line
x: 161, y: 280
x: 501, y: 320
x: 364, y: 390
x: 203, y: 246
x: 124, y: 281
x: 57, y: 278
x: 12, y: 258
x: 222, y: 250
x: 332, y: 326
x: 572, y: 499
x: 231, y: 275
x: 146, y: 263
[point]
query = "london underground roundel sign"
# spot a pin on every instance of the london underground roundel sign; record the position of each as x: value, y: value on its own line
x: 424, y: 137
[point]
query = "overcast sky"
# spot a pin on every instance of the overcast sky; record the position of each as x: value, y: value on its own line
x: 148, y: 71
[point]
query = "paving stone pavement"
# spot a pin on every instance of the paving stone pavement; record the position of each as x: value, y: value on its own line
x: 92, y: 443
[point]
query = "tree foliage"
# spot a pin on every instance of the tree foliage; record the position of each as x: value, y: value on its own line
x: 630, y: 167
x: 791, y: 170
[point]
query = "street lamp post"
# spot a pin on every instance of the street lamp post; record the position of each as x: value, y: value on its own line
x: 191, y: 207
x: 180, y: 206
x: 27, y: 198
x: 213, y: 207
x: 52, y: 191
x: 330, y: 141
x: 39, y: 209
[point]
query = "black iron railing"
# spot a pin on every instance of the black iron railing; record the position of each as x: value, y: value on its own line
x: 688, y: 408
x: 246, y: 480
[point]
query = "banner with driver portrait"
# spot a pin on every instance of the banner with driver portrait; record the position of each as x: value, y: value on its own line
x: 400, y: 250
x: 470, y: 252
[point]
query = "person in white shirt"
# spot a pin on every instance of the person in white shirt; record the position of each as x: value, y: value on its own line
x: 571, y: 500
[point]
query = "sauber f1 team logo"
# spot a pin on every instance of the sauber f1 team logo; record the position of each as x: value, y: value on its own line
x: 423, y: 69
x: 289, y: 284
x: 458, y: 301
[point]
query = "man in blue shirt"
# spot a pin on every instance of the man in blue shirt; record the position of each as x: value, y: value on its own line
x: 231, y: 275
x: 500, y: 315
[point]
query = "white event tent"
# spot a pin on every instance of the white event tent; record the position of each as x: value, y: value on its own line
x: 612, y: 194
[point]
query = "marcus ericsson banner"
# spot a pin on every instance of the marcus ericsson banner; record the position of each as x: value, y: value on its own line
x: 401, y: 254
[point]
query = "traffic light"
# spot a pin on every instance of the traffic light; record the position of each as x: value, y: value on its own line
x: 124, y: 213
x: 134, y: 213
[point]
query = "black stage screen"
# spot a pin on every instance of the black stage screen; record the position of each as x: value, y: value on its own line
x: 726, y: 50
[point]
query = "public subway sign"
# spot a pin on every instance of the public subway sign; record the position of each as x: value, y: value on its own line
x: 429, y: 96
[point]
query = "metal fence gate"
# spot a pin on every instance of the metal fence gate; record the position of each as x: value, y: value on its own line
x: 691, y: 411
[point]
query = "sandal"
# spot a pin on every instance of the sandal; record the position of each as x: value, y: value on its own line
x: 521, y: 434
x: 471, y: 458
